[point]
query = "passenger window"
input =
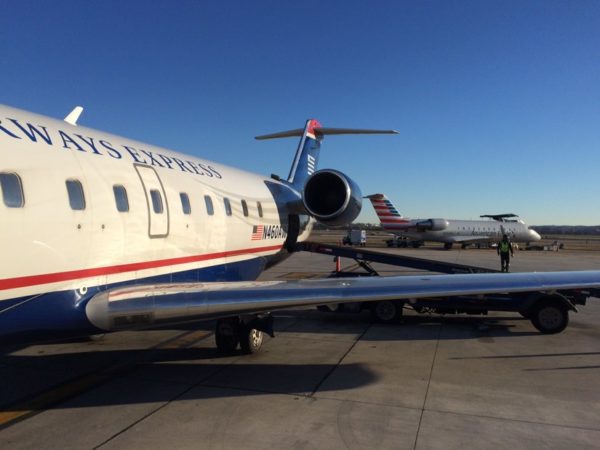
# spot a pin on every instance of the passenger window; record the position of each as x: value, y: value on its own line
x: 121, y: 199
x: 209, y: 205
x: 76, y: 197
x: 227, y: 206
x: 259, y: 207
x: 12, y: 190
x: 245, y: 208
x: 157, y: 204
x: 185, y: 203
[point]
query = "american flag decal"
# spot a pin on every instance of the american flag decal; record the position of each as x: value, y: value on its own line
x: 257, y: 232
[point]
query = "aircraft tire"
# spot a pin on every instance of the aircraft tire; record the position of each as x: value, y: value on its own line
x: 549, y: 316
x: 386, y: 311
x: 227, y: 335
x: 251, y: 340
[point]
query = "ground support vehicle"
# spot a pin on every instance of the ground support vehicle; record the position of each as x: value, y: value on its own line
x: 547, y: 311
x: 403, y: 242
x: 356, y: 237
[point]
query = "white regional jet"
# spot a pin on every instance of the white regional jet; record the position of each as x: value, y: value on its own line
x: 450, y: 231
x: 101, y: 233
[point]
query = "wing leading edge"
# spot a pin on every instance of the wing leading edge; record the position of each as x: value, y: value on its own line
x: 144, y: 305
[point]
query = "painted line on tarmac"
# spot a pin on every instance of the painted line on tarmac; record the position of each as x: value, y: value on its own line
x: 41, y: 402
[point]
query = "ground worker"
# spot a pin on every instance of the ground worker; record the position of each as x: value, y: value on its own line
x: 505, y: 250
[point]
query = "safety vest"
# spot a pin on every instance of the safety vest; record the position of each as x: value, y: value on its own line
x: 504, y: 246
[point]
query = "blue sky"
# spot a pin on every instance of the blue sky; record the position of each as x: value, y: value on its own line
x: 497, y: 102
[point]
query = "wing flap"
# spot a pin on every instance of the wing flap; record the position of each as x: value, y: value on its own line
x: 143, y: 305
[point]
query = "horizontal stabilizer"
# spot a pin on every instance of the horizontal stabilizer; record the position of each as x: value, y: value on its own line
x: 322, y: 131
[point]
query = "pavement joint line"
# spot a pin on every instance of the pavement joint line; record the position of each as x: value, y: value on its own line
x: 11, y: 414
x: 335, y: 366
x: 457, y: 413
x: 167, y: 403
x: 508, y: 419
x: 363, y: 402
x: 200, y: 383
x: 437, y: 344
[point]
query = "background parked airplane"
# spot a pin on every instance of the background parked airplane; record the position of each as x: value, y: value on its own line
x: 101, y: 233
x: 450, y: 231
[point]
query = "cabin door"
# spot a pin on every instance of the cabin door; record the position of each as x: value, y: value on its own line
x: 156, y: 201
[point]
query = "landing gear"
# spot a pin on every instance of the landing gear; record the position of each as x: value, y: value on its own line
x: 448, y: 246
x: 251, y: 340
x: 246, y: 331
x: 387, y: 311
x: 227, y: 334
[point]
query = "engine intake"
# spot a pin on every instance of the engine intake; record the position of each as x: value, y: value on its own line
x: 332, y: 198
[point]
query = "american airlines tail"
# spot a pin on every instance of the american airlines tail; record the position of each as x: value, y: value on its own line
x: 388, y: 215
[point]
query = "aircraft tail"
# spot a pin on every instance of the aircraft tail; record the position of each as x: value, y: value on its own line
x: 307, y: 154
x: 386, y: 211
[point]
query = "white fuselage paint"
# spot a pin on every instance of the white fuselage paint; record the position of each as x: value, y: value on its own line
x: 49, y: 247
x: 467, y: 231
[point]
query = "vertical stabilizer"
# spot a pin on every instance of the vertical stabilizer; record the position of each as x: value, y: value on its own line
x: 386, y: 211
x: 307, y: 155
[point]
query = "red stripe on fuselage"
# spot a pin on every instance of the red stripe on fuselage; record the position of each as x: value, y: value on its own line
x: 34, y: 280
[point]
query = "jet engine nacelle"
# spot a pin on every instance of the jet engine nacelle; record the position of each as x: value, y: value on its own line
x: 331, y: 197
x: 433, y: 224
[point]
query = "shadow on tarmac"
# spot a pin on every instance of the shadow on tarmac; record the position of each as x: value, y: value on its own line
x: 410, y: 327
x: 188, y: 368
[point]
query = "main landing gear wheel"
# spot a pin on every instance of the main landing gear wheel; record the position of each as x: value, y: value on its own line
x: 549, y: 316
x: 231, y: 332
x: 251, y: 339
x: 448, y: 246
x: 386, y: 311
x: 227, y: 335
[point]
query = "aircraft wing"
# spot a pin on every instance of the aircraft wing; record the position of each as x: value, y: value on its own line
x: 144, y: 305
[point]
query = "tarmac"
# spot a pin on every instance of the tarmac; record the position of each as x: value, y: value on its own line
x: 327, y: 380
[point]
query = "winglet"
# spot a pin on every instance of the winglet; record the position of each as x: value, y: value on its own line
x: 73, y: 116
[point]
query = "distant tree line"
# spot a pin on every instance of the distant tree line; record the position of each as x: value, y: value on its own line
x: 567, y: 229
